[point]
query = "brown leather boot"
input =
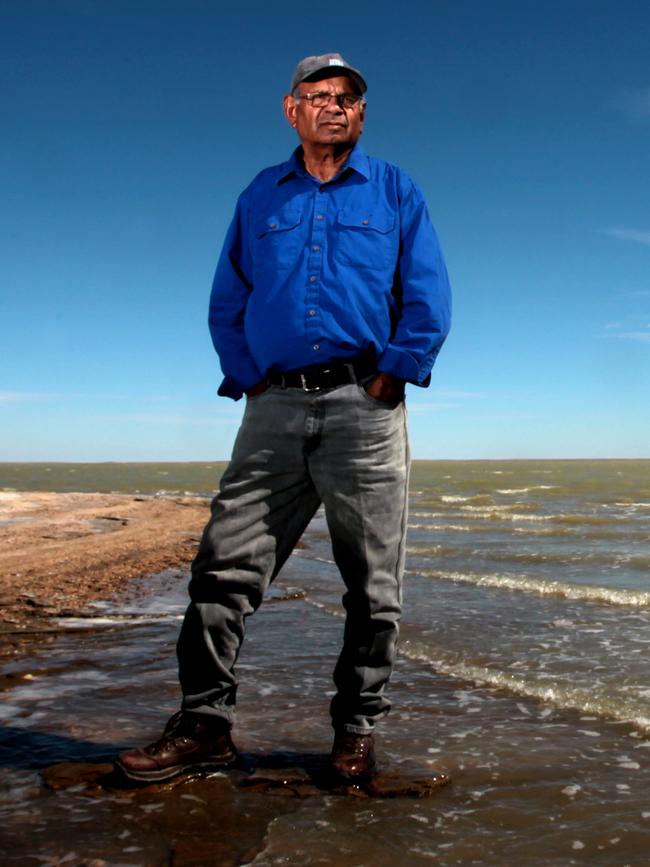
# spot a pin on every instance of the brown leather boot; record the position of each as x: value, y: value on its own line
x: 353, y: 755
x: 190, y: 740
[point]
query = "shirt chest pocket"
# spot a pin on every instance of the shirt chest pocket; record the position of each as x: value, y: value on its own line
x: 366, y: 239
x: 276, y: 240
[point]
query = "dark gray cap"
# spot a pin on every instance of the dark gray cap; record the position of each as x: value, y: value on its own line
x: 320, y: 66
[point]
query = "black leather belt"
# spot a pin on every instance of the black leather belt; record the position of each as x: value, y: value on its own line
x: 329, y: 376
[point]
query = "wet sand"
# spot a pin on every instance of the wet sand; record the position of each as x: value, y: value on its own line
x: 58, y: 552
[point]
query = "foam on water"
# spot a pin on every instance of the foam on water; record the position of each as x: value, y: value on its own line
x: 526, y: 490
x: 540, y: 587
x: 115, y: 620
x: 560, y: 695
x: 504, y: 513
x: 458, y: 528
x: 546, y: 557
x: 457, y: 498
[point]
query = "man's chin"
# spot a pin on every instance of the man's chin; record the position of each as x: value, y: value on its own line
x: 333, y: 135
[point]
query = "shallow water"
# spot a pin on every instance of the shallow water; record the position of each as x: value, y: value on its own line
x: 533, y: 784
x: 523, y: 674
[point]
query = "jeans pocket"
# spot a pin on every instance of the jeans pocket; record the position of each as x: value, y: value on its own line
x: 383, y: 404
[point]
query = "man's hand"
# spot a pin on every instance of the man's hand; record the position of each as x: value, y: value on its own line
x: 258, y: 388
x: 386, y: 388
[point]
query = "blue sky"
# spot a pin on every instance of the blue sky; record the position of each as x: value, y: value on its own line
x: 129, y: 128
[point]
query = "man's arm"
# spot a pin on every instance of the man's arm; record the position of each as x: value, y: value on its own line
x: 425, y: 296
x: 230, y: 292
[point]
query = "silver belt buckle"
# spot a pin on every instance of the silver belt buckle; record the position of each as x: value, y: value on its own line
x: 304, y: 384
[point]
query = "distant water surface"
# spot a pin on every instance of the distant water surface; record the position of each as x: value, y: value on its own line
x: 126, y: 478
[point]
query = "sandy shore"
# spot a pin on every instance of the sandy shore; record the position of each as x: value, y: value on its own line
x: 60, y: 551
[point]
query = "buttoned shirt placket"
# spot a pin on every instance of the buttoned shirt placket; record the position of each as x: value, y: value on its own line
x: 315, y: 268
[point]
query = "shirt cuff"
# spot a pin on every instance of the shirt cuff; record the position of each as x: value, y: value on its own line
x: 235, y: 388
x: 400, y: 363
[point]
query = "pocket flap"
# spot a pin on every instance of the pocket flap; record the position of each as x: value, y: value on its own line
x: 380, y: 221
x: 287, y: 218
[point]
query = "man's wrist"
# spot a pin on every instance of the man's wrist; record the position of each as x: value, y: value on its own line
x: 259, y: 388
x: 386, y: 387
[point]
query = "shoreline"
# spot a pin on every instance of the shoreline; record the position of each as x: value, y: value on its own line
x: 60, y: 551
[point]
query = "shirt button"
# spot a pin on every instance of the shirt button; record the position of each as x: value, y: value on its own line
x: 319, y: 217
x: 313, y: 279
x: 315, y: 248
x: 364, y: 222
x: 312, y: 312
x: 272, y: 225
x: 316, y: 346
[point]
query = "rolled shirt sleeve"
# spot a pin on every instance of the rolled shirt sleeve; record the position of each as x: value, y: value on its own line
x: 231, y: 288
x: 422, y: 284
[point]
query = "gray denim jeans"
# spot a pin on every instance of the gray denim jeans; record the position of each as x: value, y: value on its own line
x: 294, y: 451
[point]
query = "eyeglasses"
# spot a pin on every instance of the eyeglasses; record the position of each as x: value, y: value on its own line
x: 321, y: 98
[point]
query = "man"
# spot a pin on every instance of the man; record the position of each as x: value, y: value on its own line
x: 330, y: 294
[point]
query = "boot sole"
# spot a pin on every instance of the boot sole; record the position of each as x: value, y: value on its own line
x: 157, y: 776
x: 350, y: 778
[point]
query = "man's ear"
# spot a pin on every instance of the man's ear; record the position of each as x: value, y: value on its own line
x: 290, y: 108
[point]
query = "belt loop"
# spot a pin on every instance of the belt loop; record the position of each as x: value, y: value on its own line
x: 351, y: 372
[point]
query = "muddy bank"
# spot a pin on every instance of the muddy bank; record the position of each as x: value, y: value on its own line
x: 58, y: 552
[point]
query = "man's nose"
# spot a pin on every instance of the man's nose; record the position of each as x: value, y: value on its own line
x: 333, y: 105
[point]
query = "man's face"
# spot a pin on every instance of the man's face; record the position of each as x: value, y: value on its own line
x: 331, y: 123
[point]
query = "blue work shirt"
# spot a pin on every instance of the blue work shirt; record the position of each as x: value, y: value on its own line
x: 313, y: 271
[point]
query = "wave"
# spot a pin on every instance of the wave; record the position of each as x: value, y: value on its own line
x: 570, y: 532
x: 526, y: 490
x: 504, y: 513
x: 506, y: 518
x: 562, y: 696
x: 540, y: 587
x: 457, y: 498
x: 428, y: 514
x: 608, y: 560
x: 434, y: 551
x: 531, y: 529
x: 123, y: 619
x: 505, y: 508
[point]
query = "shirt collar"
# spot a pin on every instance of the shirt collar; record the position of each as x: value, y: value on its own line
x: 357, y: 161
